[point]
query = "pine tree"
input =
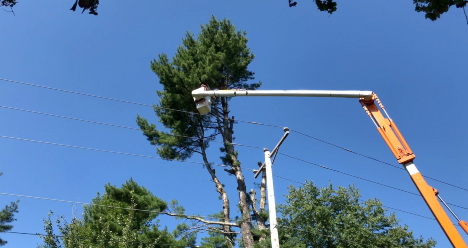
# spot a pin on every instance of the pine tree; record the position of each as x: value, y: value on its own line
x: 7, y: 215
x: 111, y: 221
x: 219, y: 58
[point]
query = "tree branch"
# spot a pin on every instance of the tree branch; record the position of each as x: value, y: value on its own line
x: 202, y: 220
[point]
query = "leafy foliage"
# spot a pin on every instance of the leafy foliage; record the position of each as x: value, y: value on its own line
x: 434, y: 8
x: 327, y: 217
x: 116, y: 226
x: 326, y: 5
x: 7, y: 215
x: 92, y: 5
x: 8, y: 3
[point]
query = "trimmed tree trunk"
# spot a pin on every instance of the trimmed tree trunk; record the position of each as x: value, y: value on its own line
x: 227, y: 131
x: 224, y: 196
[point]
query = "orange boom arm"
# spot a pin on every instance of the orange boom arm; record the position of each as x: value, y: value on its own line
x: 400, y: 149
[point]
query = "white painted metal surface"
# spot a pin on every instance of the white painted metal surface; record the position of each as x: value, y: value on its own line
x: 411, y: 168
x: 271, y: 201
x: 200, y: 92
x: 204, y: 105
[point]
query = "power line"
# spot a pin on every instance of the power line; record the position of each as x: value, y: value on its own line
x: 194, y: 113
x: 67, y: 117
x: 371, y: 158
x: 256, y: 123
x: 108, y: 151
x: 328, y: 235
x: 347, y: 174
x: 124, y: 241
x: 236, y: 144
x: 125, y: 101
x: 146, y: 156
x: 114, y: 125
x: 346, y: 149
x: 361, y: 178
x: 103, y: 205
x: 75, y: 92
x: 250, y: 122
x: 160, y: 212
x: 404, y: 211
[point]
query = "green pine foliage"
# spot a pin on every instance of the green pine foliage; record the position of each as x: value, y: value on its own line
x: 218, y: 58
x: 116, y: 226
x: 7, y: 216
x: 334, y: 218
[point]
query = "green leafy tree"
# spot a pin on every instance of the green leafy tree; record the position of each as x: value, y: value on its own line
x: 333, y: 218
x: 7, y: 215
x: 432, y: 8
x: 90, y: 5
x: 118, y: 225
x: 219, y: 58
x: 8, y: 3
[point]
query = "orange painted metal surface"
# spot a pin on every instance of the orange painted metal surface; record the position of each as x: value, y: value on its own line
x: 389, y: 131
x: 463, y: 225
x: 429, y: 195
x: 402, y: 152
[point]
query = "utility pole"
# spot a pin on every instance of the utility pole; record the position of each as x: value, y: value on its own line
x: 270, y: 189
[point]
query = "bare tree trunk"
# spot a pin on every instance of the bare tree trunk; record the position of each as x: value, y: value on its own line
x: 260, y: 221
x: 263, y: 194
x: 228, y: 234
x: 227, y: 131
x: 246, y: 223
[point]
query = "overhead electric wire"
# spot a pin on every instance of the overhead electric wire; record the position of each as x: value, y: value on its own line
x: 346, y: 149
x: 129, y: 102
x: 160, y: 212
x: 404, y: 211
x: 347, y: 174
x: 361, y: 178
x: 194, y: 113
x: 103, y: 205
x: 153, y: 157
x: 124, y: 101
x: 371, y: 158
x: 113, y: 125
x: 236, y: 144
x: 75, y: 92
x: 67, y: 117
x: 133, y: 242
x: 109, y: 151
x: 328, y: 235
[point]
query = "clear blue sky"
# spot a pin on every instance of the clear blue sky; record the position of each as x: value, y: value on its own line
x: 417, y: 67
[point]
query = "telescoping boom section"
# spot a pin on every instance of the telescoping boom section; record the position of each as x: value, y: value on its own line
x: 385, y: 126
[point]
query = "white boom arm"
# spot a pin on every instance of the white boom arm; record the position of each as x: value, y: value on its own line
x: 202, y: 92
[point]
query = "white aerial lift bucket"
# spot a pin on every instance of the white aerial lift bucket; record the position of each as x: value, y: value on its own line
x: 203, y: 103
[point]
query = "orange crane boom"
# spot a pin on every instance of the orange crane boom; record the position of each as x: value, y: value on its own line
x: 402, y: 152
x: 385, y: 126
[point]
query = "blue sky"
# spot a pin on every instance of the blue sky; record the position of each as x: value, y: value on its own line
x: 417, y: 67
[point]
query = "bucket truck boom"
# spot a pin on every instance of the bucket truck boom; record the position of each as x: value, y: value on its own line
x: 385, y: 126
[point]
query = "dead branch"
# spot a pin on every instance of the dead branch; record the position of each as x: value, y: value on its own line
x: 202, y: 220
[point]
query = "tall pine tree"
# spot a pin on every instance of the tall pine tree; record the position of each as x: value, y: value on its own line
x: 219, y: 58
